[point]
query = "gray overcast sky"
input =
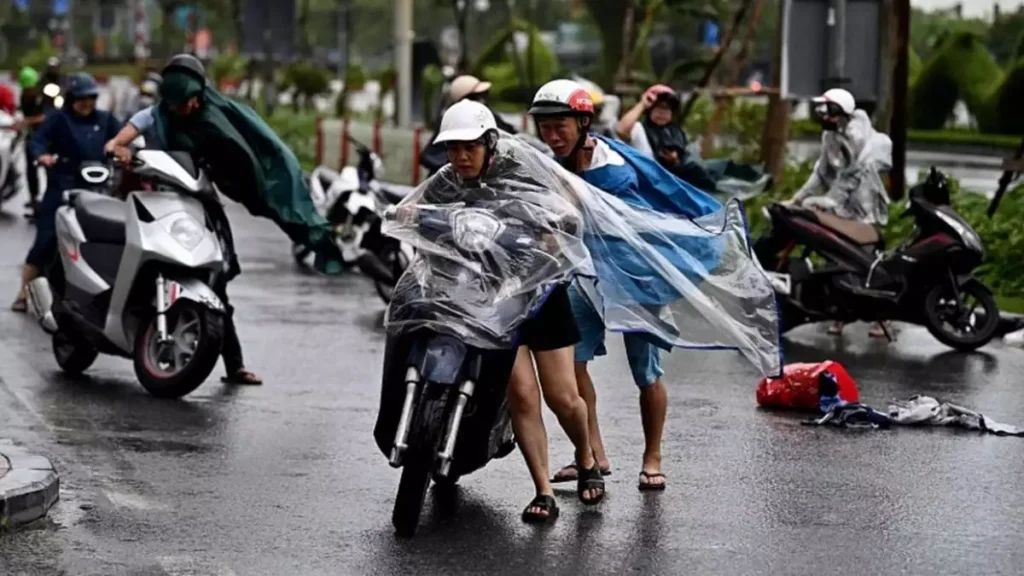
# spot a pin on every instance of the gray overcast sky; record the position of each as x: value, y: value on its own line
x: 972, y: 8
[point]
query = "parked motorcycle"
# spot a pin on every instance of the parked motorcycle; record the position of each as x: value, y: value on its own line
x: 353, y: 201
x: 135, y: 277
x: 442, y: 411
x: 928, y: 280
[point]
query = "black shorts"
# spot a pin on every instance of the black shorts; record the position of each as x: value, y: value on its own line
x: 554, y: 325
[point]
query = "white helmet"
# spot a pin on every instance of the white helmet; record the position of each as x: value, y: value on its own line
x: 839, y: 97
x: 466, y: 121
x: 562, y: 98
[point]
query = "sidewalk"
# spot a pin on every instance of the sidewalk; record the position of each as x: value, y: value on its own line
x: 29, y: 486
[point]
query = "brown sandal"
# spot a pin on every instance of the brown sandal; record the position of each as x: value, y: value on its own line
x: 20, y: 305
x: 243, y: 377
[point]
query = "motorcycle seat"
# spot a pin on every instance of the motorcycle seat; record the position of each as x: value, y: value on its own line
x: 861, y: 233
x: 101, y: 217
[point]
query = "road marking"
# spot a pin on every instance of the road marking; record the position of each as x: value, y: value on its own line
x: 188, y: 566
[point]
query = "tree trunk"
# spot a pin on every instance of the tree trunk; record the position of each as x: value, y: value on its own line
x: 609, y: 16
x: 623, y: 72
x: 776, y: 126
x: 884, y: 109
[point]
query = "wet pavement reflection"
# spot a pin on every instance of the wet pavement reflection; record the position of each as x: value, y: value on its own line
x: 285, y: 478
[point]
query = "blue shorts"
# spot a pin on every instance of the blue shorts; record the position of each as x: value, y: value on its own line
x: 644, y: 358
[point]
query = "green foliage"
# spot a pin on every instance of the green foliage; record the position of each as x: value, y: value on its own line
x: 307, y: 78
x: 298, y: 131
x: 512, y: 74
x: 228, y: 67
x: 38, y: 56
x: 1006, y: 106
x: 961, y: 69
x: 432, y: 81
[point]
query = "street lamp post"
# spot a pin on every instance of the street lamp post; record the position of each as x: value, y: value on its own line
x: 403, y: 61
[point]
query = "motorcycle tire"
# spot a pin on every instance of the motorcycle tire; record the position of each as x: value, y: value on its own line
x: 937, y: 325
x: 73, y: 356
x: 425, y: 436
x: 393, y: 257
x: 198, y: 368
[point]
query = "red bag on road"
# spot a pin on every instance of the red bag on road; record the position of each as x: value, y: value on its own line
x: 797, y: 389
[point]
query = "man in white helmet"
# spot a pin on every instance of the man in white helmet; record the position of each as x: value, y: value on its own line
x: 564, y: 110
x: 469, y: 135
x: 465, y: 87
x: 846, y: 181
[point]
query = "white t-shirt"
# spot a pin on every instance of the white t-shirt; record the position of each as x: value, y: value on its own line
x: 638, y: 139
x: 605, y: 156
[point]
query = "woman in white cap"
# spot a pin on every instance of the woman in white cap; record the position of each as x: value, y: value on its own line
x: 465, y: 87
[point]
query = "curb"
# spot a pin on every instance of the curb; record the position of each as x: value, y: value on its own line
x: 29, y: 486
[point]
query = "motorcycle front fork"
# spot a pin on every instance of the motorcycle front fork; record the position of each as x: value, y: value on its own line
x: 444, y: 457
x: 161, y: 309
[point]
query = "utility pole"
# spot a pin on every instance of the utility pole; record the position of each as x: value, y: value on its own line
x: 898, y: 126
x: 837, y: 21
x: 776, y: 128
x: 344, y: 33
x: 403, y: 61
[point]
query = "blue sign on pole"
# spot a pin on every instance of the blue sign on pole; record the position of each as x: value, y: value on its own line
x: 60, y: 7
x: 21, y: 5
x: 711, y: 33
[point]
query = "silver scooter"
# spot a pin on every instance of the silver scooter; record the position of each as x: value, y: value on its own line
x: 135, y: 278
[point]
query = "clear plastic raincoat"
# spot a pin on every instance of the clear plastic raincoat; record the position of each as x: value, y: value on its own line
x: 849, y: 170
x: 490, y: 251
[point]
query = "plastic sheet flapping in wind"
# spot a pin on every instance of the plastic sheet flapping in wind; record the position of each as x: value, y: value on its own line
x: 490, y: 250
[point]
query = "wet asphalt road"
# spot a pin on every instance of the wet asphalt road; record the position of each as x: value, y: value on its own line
x: 285, y: 479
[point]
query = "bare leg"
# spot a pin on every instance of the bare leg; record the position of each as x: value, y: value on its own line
x: 836, y: 329
x: 561, y: 393
x: 653, y: 406
x: 589, y: 394
x: 28, y: 274
x: 528, y: 423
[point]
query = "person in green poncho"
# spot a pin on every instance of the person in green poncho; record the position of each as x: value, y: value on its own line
x: 244, y: 158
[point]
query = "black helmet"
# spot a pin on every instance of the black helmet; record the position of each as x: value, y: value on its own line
x: 81, y: 86
x: 187, y: 63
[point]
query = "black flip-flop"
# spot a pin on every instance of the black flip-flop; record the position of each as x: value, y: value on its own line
x: 545, y: 503
x: 590, y: 480
x: 556, y: 479
x: 648, y: 486
x: 20, y: 305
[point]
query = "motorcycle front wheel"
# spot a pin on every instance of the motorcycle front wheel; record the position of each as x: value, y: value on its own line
x: 175, y: 368
x: 966, y: 326
x: 425, y: 436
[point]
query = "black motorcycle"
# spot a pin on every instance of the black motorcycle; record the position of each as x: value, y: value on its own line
x: 442, y: 410
x: 836, y: 269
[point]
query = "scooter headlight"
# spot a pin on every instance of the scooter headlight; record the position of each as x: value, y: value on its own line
x: 475, y: 230
x: 51, y: 90
x: 187, y: 232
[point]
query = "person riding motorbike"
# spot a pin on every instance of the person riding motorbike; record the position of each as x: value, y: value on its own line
x: 470, y: 135
x: 853, y: 154
x: 33, y: 111
x: 462, y: 88
x: 67, y: 138
x: 246, y: 160
x: 149, y: 91
x: 652, y: 127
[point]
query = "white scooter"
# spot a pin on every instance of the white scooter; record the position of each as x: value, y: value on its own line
x: 136, y: 278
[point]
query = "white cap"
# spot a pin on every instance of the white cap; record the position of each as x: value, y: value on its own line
x: 465, y: 85
x: 838, y: 96
x: 465, y: 121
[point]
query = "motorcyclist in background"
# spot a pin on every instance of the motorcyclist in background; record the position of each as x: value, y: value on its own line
x: 149, y: 91
x: 463, y: 87
x: 470, y: 135
x: 33, y: 111
x: 245, y: 159
x: 846, y: 179
x: 652, y: 127
x: 66, y: 138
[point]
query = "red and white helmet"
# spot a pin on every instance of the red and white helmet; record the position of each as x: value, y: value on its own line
x: 562, y: 98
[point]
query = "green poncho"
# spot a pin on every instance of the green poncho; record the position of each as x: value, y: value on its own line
x: 247, y: 160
